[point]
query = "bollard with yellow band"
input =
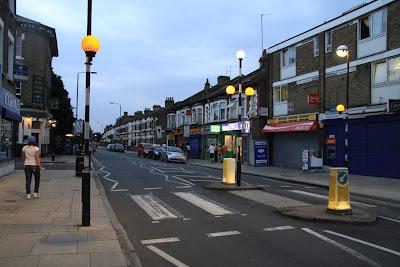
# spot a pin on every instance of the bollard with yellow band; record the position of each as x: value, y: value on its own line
x: 339, y: 197
x: 229, y: 171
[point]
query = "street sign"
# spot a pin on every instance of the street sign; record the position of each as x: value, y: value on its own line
x: 20, y: 73
x: 313, y: 99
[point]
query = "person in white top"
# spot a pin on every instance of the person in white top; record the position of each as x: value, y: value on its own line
x: 211, y: 150
x: 31, y: 158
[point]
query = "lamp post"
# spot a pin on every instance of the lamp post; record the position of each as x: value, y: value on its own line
x: 343, y: 51
x: 120, y: 106
x: 90, y: 45
x: 230, y: 90
x: 53, y: 125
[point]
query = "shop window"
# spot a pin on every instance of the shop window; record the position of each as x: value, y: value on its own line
x: 5, y: 138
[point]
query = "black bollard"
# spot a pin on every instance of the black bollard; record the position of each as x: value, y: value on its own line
x: 85, y: 198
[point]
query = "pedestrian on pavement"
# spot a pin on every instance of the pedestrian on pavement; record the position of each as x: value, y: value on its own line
x: 187, y: 151
x: 211, y: 150
x: 94, y: 146
x: 31, y: 157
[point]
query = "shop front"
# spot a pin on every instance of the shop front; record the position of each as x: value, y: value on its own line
x: 194, y: 141
x: 211, y: 135
x: 233, y: 135
x: 9, y: 118
x: 292, y: 137
x: 178, y: 136
x: 373, y: 141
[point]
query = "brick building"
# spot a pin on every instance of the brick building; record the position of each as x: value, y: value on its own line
x: 309, y: 80
x: 36, y: 45
x: 9, y: 103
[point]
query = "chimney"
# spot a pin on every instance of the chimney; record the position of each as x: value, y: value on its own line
x: 222, y: 80
x: 147, y: 112
x: 207, y: 85
x: 156, y: 107
x: 125, y: 114
x: 138, y: 113
x: 263, y: 59
x: 169, y: 102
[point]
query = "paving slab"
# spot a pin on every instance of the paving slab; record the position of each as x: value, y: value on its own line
x: 18, y: 248
x: 64, y: 260
x: 113, y: 259
x: 19, y: 261
x: 46, y: 248
x: 67, y: 237
x: 99, y: 246
x: 101, y: 235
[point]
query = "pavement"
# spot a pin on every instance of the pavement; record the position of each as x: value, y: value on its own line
x: 386, y: 188
x: 47, y: 231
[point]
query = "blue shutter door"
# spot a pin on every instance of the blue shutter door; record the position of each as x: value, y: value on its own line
x: 194, y: 143
x: 358, y: 149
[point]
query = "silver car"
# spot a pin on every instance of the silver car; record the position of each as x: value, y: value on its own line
x: 173, y: 154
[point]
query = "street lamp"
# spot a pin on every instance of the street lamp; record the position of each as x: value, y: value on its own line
x: 90, y: 45
x: 53, y: 125
x: 343, y: 51
x: 230, y: 90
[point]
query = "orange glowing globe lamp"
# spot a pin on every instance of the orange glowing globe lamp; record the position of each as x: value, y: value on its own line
x: 230, y: 90
x: 90, y: 45
x: 249, y: 91
x: 340, y: 108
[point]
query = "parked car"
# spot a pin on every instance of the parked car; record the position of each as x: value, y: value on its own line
x: 118, y: 148
x: 173, y: 153
x: 143, y: 149
x: 109, y: 147
x: 155, y: 152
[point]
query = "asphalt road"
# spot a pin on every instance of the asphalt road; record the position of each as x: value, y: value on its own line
x: 172, y: 220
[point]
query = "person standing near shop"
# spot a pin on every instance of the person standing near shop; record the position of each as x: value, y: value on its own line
x: 187, y: 151
x: 31, y: 158
x: 211, y: 150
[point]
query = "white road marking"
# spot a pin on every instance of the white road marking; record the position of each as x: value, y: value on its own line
x: 160, y: 240
x: 269, y: 199
x: 186, y: 219
x: 326, y: 198
x: 204, y: 203
x: 364, y: 243
x: 279, y: 228
x: 342, y: 247
x: 182, y: 180
x: 153, y: 188
x: 217, y: 216
x: 223, y: 234
x: 263, y: 185
x: 243, y: 214
x: 155, y: 208
x: 286, y: 186
x: 184, y: 186
x: 167, y: 256
x: 389, y: 219
x: 202, y: 180
x: 113, y: 187
x: 310, y: 187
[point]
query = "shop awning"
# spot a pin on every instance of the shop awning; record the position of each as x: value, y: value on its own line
x: 298, y: 126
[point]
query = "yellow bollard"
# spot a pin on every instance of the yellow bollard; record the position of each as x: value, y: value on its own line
x: 339, y: 197
x: 229, y: 171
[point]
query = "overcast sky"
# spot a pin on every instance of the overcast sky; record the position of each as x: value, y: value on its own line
x: 153, y: 49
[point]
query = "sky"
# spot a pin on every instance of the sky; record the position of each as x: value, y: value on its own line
x: 152, y: 49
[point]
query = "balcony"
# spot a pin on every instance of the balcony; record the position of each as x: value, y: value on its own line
x: 281, y: 108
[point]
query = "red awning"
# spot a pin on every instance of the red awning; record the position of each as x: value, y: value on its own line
x: 298, y: 126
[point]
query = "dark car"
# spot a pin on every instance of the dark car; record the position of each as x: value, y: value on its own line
x: 118, y: 148
x: 109, y: 147
x: 155, y: 152
x: 143, y: 149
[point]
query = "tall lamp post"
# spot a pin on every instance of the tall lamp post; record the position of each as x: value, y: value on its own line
x: 230, y: 90
x: 90, y: 45
x: 343, y: 51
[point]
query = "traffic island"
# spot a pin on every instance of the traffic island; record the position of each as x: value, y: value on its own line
x: 320, y: 213
x: 231, y: 187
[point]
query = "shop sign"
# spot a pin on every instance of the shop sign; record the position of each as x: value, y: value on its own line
x: 394, y: 105
x: 196, y: 130
x: 330, y: 141
x: 38, y: 89
x: 293, y: 118
x: 263, y: 111
x: 215, y: 128
x: 313, y: 99
x: 9, y: 101
x: 177, y: 131
x: 261, y: 153
x: 236, y: 126
x: 20, y: 73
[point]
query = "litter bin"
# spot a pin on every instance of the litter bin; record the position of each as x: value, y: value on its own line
x: 79, y: 165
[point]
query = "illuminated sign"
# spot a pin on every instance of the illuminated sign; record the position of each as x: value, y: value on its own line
x: 236, y: 126
x: 215, y: 128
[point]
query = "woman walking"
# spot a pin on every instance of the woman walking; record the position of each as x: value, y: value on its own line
x: 31, y: 158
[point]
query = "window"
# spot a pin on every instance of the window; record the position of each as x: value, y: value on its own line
x: 215, y: 108
x: 232, y: 108
x: 10, y: 57
x: 394, y: 69
x: 373, y: 25
x: 316, y: 46
x: 1, y: 45
x: 280, y: 94
x: 194, y: 116
x: 206, y: 114
x: 200, y: 115
x: 18, y: 87
x: 328, y: 41
x: 223, y: 111
x: 288, y: 56
x: 380, y: 73
x: 18, y: 45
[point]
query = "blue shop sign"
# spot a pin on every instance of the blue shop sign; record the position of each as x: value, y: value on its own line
x: 10, y: 105
x: 20, y: 73
x: 261, y: 153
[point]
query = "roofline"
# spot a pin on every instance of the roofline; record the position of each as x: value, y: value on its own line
x: 372, y: 5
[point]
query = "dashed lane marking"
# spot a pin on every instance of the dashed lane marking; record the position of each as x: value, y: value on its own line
x: 153, y: 188
x: 364, y: 242
x: 159, y: 240
x: 279, y: 228
x: 184, y: 186
x: 227, y: 233
x: 167, y: 256
x: 342, y: 247
x: 205, y: 204
x: 389, y: 219
x: 326, y: 197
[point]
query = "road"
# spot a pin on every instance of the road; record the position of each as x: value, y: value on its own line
x: 172, y: 220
